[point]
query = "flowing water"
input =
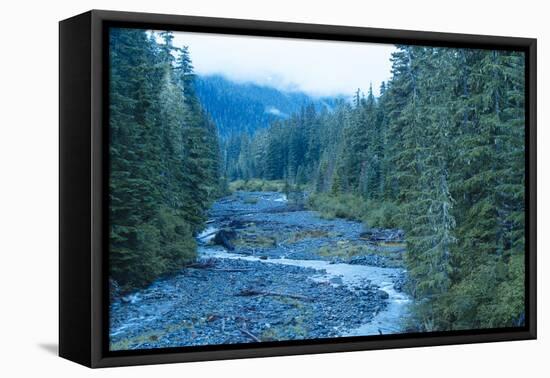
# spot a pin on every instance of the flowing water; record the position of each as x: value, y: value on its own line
x: 277, y: 279
x: 386, y: 321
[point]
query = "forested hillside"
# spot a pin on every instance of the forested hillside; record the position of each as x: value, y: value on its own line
x: 246, y: 107
x: 164, y: 158
x: 439, y: 154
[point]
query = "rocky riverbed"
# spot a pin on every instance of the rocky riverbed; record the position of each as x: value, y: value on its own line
x: 270, y: 270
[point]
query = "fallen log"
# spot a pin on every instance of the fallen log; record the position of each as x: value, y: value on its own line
x: 207, y: 235
x: 205, y: 264
x: 249, y: 292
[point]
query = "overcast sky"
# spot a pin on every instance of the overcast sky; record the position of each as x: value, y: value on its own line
x: 319, y: 68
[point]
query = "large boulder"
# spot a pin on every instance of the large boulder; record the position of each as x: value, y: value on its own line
x: 225, y: 238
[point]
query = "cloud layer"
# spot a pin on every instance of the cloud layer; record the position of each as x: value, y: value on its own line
x: 319, y: 68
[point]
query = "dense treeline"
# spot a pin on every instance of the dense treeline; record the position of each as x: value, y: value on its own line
x: 164, y: 158
x: 245, y: 107
x: 440, y: 154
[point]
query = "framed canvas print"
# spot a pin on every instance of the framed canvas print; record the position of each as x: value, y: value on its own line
x: 234, y: 188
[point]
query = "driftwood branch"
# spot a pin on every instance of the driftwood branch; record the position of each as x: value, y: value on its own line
x: 247, y: 333
x: 211, y: 265
x: 250, y: 292
x: 233, y: 270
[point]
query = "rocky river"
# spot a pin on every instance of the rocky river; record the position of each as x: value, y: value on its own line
x: 270, y: 270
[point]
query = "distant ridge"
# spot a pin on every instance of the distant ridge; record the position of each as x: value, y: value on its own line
x: 238, y: 107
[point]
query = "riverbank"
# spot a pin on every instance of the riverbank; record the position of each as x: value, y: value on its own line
x: 289, y: 274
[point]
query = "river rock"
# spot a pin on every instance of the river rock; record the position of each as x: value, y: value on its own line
x: 382, y: 294
x: 114, y: 290
x: 373, y: 260
x: 400, y: 282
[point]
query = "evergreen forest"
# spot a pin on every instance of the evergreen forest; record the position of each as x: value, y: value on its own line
x: 438, y: 154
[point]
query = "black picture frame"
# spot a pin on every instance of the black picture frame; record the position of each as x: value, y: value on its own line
x: 83, y: 165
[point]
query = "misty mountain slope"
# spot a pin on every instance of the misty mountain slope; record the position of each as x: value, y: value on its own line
x: 237, y: 107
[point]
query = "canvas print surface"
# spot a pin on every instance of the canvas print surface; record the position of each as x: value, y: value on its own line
x: 268, y: 189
